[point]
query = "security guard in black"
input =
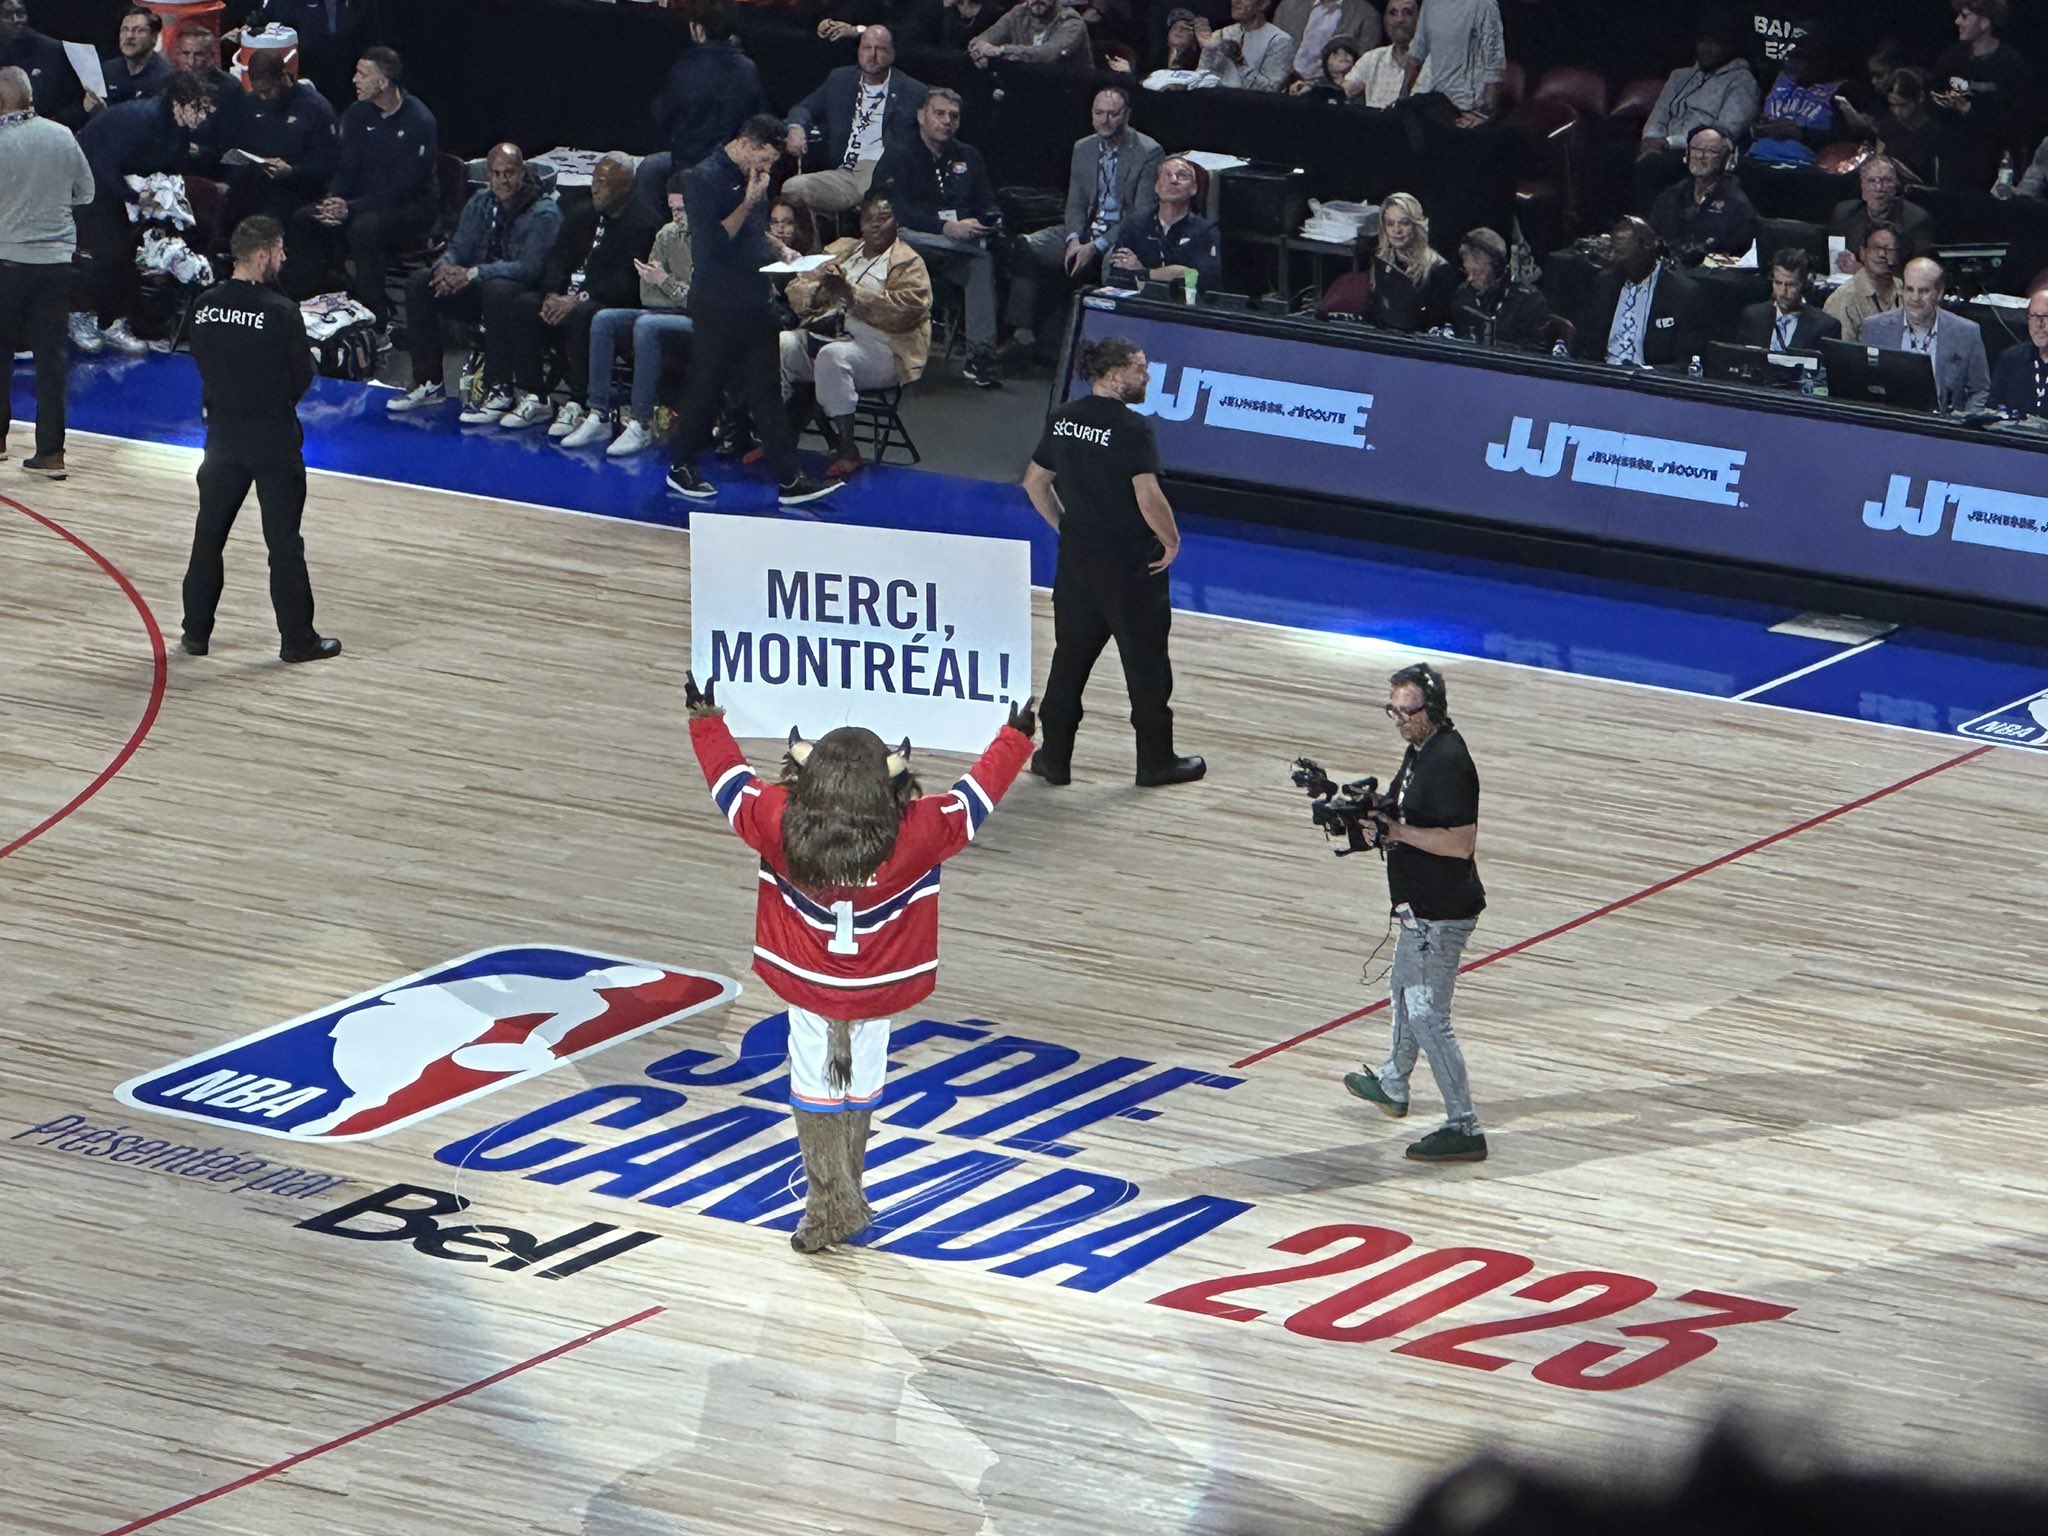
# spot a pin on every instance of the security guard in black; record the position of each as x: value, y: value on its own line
x: 254, y: 364
x: 1086, y: 479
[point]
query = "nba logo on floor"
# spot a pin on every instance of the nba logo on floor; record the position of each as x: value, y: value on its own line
x: 2021, y: 724
x: 411, y: 1048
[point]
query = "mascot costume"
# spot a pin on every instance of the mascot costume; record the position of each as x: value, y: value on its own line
x: 846, y: 928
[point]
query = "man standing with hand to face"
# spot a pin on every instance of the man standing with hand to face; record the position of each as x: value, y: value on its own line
x: 735, y: 340
x: 1095, y: 478
x: 250, y: 344
x: 1430, y: 836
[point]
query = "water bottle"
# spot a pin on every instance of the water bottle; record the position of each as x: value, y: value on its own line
x: 2003, y: 186
x: 1694, y: 370
x: 1559, y: 349
x: 1188, y: 282
x: 1806, y: 382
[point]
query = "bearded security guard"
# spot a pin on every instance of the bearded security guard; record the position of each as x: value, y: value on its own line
x: 254, y: 364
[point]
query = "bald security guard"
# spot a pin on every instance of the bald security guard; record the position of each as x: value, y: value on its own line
x: 254, y: 364
x: 1095, y: 478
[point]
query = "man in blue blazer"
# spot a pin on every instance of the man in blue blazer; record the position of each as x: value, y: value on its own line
x: 859, y: 111
x: 1962, y: 378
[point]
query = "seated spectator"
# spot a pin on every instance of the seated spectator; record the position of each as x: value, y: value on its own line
x: 385, y: 194
x: 660, y: 320
x: 1490, y: 309
x: 1378, y: 79
x: 859, y: 111
x: 1644, y: 313
x: 1250, y: 54
x: 591, y: 266
x: 946, y: 207
x: 2019, y: 381
x: 1035, y: 32
x: 136, y: 69
x: 1906, y: 131
x: 1170, y: 243
x: 1882, y: 201
x: 1962, y: 379
x: 1326, y: 82
x: 1874, y: 288
x: 290, y: 127
x: 1716, y: 90
x: 492, y: 266
x: 961, y: 21
x: 882, y: 294
x: 1315, y: 24
x: 197, y: 52
x: 51, y: 79
x: 1110, y: 176
x: 1984, y: 88
x: 1708, y: 213
x: 1787, y: 323
x: 712, y: 88
x: 144, y: 137
x: 1463, y: 39
x: 1183, y: 51
x: 1411, y: 284
x: 1797, y: 118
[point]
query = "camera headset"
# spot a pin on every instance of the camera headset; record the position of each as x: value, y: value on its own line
x: 1430, y: 683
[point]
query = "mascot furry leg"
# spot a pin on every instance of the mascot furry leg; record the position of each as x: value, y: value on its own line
x: 834, y: 1144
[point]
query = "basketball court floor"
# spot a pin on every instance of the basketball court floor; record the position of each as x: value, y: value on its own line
x: 1754, y: 1017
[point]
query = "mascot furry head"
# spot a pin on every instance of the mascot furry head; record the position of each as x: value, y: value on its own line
x: 847, y: 795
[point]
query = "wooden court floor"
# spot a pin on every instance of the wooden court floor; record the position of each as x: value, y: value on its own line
x: 1767, y: 1141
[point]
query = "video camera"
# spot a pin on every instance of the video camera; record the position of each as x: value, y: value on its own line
x: 1358, y: 810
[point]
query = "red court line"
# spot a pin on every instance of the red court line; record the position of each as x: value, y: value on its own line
x: 385, y: 1423
x: 159, y: 679
x: 1630, y: 900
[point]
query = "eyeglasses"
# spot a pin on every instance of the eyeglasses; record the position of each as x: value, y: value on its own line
x: 1397, y: 714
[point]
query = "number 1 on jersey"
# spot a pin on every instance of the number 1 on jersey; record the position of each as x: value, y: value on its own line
x: 841, y: 942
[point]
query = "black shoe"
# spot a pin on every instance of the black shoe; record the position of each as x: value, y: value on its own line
x: 1449, y: 1146
x: 1179, y: 770
x: 683, y: 480
x: 319, y: 650
x: 803, y: 488
x: 49, y: 465
x: 193, y: 645
x: 982, y: 371
x: 1049, y: 770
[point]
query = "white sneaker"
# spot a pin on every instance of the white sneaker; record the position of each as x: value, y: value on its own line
x: 531, y: 411
x: 567, y: 419
x: 414, y: 398
x: 121, y: 339
x: 635, y: 439
x: 85, y: 334
x: 593, y: 429
x: 495, y: 405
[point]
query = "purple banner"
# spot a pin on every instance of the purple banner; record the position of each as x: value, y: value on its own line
x: 1835, y: 498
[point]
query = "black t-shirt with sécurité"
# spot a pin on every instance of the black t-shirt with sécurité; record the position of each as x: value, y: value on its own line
x: 1437, y: 786
x: 1095, y: 447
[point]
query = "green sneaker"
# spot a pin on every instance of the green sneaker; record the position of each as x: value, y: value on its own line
x: 1449, y: 1146
x: 1365, y: 1084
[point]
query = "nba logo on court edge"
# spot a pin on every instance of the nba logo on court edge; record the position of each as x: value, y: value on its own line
x: 411, y: 1048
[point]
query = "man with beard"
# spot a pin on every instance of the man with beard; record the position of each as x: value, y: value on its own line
x: 1095, y: 478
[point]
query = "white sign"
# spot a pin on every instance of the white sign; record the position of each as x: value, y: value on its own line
x: 2003, y: 519
x: 1308, y: 413
x: 925, y: 635
x: 1660, y: 466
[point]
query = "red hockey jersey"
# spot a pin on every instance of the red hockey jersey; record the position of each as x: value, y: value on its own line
x: 876, y: 950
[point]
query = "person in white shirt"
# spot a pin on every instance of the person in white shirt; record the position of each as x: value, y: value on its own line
x: 1251, y: 54
x: 1378, y: 79
x: 1462, y: 41
x: 861, y: 111
x: 1313, y: 24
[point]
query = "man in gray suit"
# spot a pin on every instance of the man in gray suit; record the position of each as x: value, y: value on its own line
x: 1110, y: 179
x: 1962, y: 379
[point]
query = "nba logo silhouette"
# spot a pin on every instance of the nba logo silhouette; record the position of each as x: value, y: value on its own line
x: 425, y: 1043
x: 2023, y: 723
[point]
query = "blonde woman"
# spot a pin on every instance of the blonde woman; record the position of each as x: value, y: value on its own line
x: 1411, y: 283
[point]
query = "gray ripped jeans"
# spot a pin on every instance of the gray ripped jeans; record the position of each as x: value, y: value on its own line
x: 1425, y: 969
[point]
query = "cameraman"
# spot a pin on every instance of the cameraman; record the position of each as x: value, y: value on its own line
x: 1430, y: 833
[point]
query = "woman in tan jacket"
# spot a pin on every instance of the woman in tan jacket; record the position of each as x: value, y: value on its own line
x: 867, y: 318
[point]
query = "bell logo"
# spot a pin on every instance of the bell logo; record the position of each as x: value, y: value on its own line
x: 1307, y: 413
x: 1628, y: 461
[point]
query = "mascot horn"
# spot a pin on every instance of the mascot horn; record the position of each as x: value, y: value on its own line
x: 846, y: 925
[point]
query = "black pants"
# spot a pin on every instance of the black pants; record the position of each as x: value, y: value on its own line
x: 511, y: 346
x: 104, y: 280
x: 370, y: 238
x: 34, y: 302
x: 742, y: 348
x: 269, y: 459
x: 570, y: 335
x: 1098, y: 597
